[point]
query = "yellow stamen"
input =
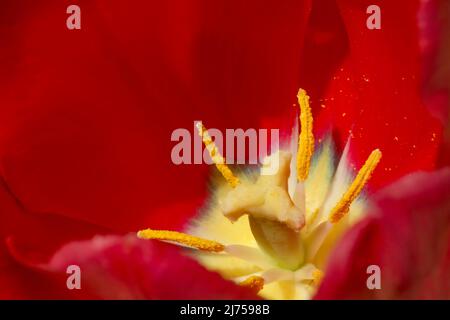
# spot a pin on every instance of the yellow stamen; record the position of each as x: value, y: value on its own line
x: 254, y: 283
x: 182, y: 238
x: 317, y: 276
x: 216, y: 157
x: 306, y: 138
x: 363, y: 176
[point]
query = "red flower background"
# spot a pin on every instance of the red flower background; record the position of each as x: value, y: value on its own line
x: 86, y: 118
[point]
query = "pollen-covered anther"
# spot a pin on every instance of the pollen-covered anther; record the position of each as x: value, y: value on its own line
x: 216, y: 157
x: 254, y: 283
x: 306, y: 138
x: 363, y: 176
x: 317, y: 276
x: 182, y: 239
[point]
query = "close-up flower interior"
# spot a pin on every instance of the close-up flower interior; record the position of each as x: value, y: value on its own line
x: 108, y: 192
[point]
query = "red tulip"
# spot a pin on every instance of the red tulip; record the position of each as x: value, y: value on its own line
x: 85, y: 146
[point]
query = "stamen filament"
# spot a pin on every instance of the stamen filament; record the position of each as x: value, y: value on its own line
x: 216, y: 157
x: 255, y: 283
x: 363, y: 176
x: 306, y: 138
x: 182, y: 238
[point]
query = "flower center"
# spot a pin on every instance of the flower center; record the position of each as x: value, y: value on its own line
x: 284, y: 224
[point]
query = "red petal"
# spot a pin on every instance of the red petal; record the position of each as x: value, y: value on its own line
x: 374, y: 95
x: 408, y: 238
x: 87, y: 115
x: 129, y: 268
x: 22, y: 282
x: 435, y: 23
x: 38, y: 235
x: 435, y: 30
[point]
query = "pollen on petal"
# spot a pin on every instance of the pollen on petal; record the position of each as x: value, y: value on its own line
x: 306, y: 138
x: 363, y: 176
x: 182, y: 239
x: 254, y: 283
x: 216, y: 157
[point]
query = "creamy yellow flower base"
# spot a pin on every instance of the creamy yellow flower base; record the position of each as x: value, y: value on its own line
x: 274, y: 233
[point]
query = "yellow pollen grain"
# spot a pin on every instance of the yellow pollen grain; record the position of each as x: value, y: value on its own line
x: 363, y: 176
x: 254, y: 283
x: 216, y: 157
x: 317, y: 276
x: 306, y: 138
x: 182, y: 238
